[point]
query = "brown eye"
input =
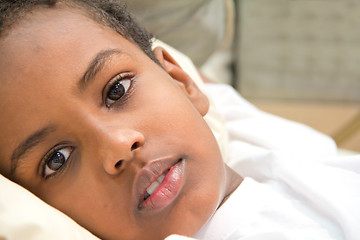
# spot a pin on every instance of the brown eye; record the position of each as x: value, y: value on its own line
x: 56, y: 161
x: 117, y: 91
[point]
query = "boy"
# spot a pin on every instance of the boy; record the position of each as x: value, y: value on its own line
x: 100, y: 130
x: 112, y: 134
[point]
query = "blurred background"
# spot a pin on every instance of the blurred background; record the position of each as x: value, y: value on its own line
x: 299, y: 59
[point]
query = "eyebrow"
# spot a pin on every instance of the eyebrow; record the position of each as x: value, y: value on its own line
x: 32, y: 141
x: 95, y: 66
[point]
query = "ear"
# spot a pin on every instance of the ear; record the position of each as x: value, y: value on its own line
x: 191, y: 90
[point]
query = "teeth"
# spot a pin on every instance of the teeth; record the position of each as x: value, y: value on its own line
x: 155, y: 185
x: 146, y: 195
x: 160, y: 179
x: 152, y: 187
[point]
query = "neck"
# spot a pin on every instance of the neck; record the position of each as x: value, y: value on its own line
x: 233, y: 181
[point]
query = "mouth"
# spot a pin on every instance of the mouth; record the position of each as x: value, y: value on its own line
x: 159, y: 184
x: 155, y: 185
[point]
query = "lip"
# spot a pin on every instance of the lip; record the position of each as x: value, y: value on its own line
x: 167, y: 191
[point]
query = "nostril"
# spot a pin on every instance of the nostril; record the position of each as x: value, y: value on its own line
x: 135, y: 146
x: 118, y: 164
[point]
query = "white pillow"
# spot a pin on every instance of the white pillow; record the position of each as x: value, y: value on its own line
x: 24, y: 216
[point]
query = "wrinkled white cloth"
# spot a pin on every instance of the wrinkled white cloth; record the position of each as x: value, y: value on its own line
x: 256, y: 130
x: 295, y: 186
x: 286, y: 197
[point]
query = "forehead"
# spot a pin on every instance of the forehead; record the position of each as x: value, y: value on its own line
x: 42, y: 52
x: 47, y: 34
x: 53, y: 44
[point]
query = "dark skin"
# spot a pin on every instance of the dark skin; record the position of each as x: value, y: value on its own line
x: 108, y: 151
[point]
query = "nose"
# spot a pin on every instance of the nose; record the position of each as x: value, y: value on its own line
x: 119, y: 148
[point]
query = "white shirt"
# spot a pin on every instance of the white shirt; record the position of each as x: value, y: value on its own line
x: 291, y: 200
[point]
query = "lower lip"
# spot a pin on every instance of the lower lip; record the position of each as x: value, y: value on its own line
x: 168, y: 190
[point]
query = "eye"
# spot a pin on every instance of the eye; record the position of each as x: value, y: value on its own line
x: 117, y: 89
x: 56, y: 160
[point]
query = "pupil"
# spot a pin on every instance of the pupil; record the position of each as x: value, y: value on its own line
x: 56, y: 161
x: 116, y: 91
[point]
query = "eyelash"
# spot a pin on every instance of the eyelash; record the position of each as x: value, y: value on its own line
x: 48, y: 157
x: 126, y: 76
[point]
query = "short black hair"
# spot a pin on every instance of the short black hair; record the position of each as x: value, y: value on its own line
x: 110, y: 13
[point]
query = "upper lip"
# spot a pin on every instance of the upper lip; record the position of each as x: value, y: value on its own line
x: 147, y: 175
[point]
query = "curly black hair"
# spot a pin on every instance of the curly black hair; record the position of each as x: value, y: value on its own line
x: 110, y: 13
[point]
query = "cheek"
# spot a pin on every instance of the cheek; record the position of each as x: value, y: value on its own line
x: 175, y: 125
x: 170, y: 109
x: 205, y: 176
x: 100, y: 205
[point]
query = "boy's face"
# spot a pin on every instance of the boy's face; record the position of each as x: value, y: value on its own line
x: 88, y: 122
